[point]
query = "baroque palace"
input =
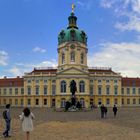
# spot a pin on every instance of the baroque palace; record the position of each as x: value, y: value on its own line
x: 50, y: 87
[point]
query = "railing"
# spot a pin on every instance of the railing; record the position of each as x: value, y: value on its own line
x: 44, y: 68
x: 100, y: 68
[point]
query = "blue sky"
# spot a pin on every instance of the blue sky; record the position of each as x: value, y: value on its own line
x: 29, y: 30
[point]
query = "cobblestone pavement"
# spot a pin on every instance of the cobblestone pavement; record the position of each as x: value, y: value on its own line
x: 84, y: 125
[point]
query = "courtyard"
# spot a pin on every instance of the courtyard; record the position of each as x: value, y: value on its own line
x: 83, y: 125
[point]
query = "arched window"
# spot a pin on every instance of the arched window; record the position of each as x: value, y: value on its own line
x: 82, y: 102
x: 82, y: 86
x: 63, y: 58
x: 63, y: 102
x: 63, y: 86
x: 82, y: 58
x: 72, y: 57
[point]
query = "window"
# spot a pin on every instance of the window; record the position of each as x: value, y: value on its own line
x: 37, y: 102
x: 63, y: 101
x: 72, y: 32
x: 5, y: 91
x: 99, y: 81
x: 4, y: 101
x: 82, y: 102
x: 16, y: 102
x: 138, y: 90
x: 107, y: 90
x: 115, y: 81
x: 29, y: 81
x: 107, y: 101
x: 133, y: 90
x: 53, y: 81
x: 128, y: 90
x: 134, y: 101
x: 63, y: 58
x: 37, y: 81
x: 21, y: 102
x: 29, y: 102
x: 10, y: 91
x: 10, y: 101
x: 133, y: 83
x: 29, y: 90
x: 82, y: 86
x: 139, y: 101
x: 53, y: 89
x: 16, y: 91
x: 128, y: 101
x: 63, y: 87
x: 115, y: 90
x: 37, y: 90
x: 82, y: 58
x: 122, y: 101
x: 99, y: 90
x: 45, y: 101
x: 91, y: 81
x: 72, y: 57
x: 91, y: 89
x: 107, y: 81
x: 22, y: 91
x: 45, y: 81
x: 122, y: 90
x: 115, y: 101
x: 45, y: 90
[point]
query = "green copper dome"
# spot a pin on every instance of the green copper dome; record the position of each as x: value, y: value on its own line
x: 72, y: 33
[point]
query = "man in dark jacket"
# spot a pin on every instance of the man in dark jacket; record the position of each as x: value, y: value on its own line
x: 102, y: 111
x: 7, y: 121
x: 115, y: 109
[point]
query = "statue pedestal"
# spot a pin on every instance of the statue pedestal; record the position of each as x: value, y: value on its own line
x: 73, y: 109
x: 73, y: 101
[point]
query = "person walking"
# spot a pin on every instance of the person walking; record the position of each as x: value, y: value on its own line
x: 102, y: 111
x: 105, y: 111
x: 27, y: 124
x: 7, y: 118
x: 115, y: 109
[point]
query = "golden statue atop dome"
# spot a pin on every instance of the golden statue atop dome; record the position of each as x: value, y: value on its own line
x: 73, y: 7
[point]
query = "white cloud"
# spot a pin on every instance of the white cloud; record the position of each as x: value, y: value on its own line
x: 85, y: 5
x: 20, y: 68
x: 15, y: 71
x: 38, y: 49
x: 132, y: 24
x: 127, y: 8
x: 123, y: 57
x: 106, y: 3
x: 3, y: 58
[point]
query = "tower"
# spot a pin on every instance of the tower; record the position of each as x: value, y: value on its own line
x: 72, y: 46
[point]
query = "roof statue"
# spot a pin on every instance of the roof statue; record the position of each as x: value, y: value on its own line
x: 73, y: 7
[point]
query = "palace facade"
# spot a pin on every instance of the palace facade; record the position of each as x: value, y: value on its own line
x: 50, y: 87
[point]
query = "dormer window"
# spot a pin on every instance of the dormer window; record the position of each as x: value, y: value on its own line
x: 72, y: 35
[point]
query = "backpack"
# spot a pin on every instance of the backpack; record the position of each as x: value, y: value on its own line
x: 5, y: 114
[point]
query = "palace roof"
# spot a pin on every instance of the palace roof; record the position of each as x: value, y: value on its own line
x: 12, y: 82
x: 129, y: 82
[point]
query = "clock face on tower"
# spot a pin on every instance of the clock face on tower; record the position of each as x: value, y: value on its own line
x: 72, y: 46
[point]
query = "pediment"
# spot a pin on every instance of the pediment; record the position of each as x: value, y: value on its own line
x: 73, y: 71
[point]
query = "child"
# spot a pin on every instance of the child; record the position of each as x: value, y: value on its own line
x: 27, y: 123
